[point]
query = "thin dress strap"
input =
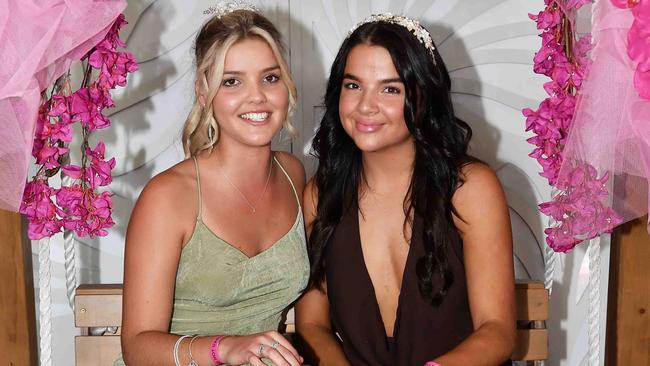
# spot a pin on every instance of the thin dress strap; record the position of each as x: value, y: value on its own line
x: 290, y: 181
x: 198, y: 185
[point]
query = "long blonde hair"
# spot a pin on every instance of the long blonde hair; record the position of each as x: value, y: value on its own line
x: 201, y: 131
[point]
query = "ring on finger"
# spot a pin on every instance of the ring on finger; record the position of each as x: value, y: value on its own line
x: 260, y: 350
x: 275, y: 344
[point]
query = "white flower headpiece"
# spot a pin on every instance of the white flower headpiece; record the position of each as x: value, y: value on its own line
x: 422, y: 35
x: 227, y: 7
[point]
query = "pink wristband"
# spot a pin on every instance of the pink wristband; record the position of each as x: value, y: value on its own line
x: 432, y: 363
x: 214, y: 350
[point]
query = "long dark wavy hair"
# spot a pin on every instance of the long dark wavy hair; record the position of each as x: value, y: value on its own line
x: 441, y: 142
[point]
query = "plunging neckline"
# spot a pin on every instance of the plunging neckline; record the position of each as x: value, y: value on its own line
x: 366, y: 274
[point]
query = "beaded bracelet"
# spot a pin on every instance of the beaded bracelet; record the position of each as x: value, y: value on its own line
x: 214, y: 350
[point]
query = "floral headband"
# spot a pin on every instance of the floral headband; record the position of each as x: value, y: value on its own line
x: 422, y: 35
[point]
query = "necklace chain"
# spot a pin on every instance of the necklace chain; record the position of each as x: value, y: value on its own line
x: 259, y: 198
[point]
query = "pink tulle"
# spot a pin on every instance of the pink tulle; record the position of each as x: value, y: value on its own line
x: 611, y: 126
x: 38, y: 42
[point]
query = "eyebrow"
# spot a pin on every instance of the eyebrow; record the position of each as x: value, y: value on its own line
x: 271, y: 68
x: 383, y: 81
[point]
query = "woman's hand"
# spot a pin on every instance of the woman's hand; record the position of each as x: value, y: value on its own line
x: 237, y: 350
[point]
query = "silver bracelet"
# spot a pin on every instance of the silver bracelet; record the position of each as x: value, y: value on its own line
x: 177, y: 362
x: 192, y: 362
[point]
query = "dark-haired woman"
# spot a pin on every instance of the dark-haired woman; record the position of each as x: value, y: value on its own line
x: 410, y: 241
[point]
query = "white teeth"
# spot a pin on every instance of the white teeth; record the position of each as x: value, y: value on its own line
x: 255, y: 117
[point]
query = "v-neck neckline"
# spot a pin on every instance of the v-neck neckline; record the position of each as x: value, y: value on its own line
x: 371, y: 286
x: 245, y: 256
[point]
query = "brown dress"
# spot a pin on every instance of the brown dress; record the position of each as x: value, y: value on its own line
x: 421, y: 332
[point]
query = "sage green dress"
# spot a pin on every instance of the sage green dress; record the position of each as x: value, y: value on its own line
x: 220, y: 290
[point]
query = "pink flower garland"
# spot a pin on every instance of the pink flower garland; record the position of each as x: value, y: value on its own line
x: 579, y: 209
x: 638, y: 43
x: 79, y: 207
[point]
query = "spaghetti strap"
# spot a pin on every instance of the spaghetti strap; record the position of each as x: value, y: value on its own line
x: 290, y: 181
x: 198, y: 185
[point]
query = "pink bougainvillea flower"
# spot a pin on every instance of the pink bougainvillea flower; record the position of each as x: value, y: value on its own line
x: 73, y: 202
x: 99, y: 172
x: 543, y: 62
x: 88, y: 214
x: 71, y: 199
x: 554, y: 209
x: 113, y: 66
x: 548, y: 40
x: 113, y: 37
x: 41, y: 212
x: 87, y: 105
x: 579, y: 209
x: 99, y: 218
x: 562, y: 69
x: 564, y: 105
x: 546, y: 18
x: 552, y: 88
x: 560, y: 239
x: 56, y: 132
x: 49, y: 156
x: 60, y: 108
x: 73, y: 171
x: 41, y: 120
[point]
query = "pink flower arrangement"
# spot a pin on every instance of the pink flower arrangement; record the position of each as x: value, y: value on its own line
x: 79, y: 207
x: 578, y: 210
x: 638, y: 43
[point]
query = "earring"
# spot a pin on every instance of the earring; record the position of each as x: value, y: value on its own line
x: 210, y: 134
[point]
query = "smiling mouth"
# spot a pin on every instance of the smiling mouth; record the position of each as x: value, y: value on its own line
x: 255, y: 116
x: 367, y: 127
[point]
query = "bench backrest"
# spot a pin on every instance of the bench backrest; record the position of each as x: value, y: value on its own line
x: 98, y: 313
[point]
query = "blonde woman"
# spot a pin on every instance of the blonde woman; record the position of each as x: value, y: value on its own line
x: 215, y: 249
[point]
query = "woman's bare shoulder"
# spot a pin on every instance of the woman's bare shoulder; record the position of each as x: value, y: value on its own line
x: 478, y: 179
x: 480, y: 198
x: 294, y: 168
x: 173, y: 181
x: 170, y: 195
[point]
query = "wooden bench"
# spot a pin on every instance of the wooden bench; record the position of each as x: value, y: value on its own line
x: 98, y: 314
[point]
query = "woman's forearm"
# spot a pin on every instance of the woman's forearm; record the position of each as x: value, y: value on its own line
x: 490, y: 345
x: 157, y: 348
x: 322, y: 347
